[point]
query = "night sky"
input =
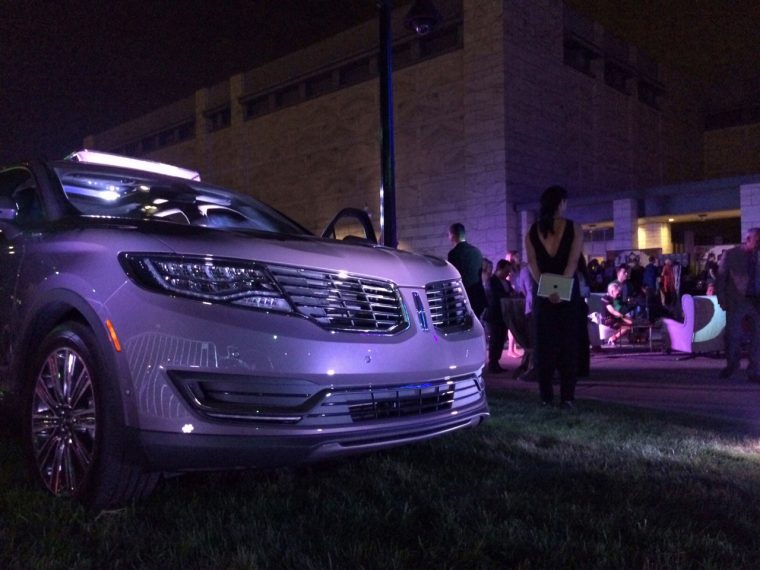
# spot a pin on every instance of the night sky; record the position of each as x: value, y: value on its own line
x: 70, y: 68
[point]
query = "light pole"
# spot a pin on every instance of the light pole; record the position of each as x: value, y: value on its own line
x: 421, y: 18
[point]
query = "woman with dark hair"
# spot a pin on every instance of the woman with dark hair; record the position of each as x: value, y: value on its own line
x: 554, y: 245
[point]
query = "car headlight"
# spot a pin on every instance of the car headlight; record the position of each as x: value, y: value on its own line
x: 207, y: 279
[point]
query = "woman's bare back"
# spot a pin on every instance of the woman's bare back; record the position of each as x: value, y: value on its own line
x: 551, y: 241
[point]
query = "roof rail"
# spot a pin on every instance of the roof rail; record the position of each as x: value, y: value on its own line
x: 97, y: 157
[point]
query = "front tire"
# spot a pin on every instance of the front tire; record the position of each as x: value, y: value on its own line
x: 74, y: 432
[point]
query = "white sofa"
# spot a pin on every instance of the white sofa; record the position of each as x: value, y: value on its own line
x: 702, y: 329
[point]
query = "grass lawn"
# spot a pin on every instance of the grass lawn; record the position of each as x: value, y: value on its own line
x: 609, y: 487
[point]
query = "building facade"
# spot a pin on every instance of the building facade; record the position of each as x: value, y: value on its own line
x: 506, y: 98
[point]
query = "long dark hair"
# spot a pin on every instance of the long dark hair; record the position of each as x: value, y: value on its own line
x: 550, y: 201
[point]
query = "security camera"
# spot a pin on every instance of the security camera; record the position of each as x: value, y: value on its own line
x: 422, y: 17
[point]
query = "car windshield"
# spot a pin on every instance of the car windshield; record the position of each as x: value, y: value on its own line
x: 105, y: 191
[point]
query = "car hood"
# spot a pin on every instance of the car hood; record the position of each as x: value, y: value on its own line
x: 405, y: 269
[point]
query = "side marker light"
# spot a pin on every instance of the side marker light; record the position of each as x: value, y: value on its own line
x: 112, y: 334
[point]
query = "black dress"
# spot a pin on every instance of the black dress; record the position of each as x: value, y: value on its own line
x: 556, y: 325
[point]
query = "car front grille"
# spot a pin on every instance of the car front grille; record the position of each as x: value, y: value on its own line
x: 343, y: 302
x: 293, y: 401
x: 448, y: 305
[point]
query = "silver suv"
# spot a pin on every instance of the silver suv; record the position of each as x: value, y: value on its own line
x: 151, y: 323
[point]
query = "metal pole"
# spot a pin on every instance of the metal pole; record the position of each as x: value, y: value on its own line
x: 387, y: 159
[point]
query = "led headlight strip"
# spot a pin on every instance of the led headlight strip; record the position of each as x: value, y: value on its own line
x: 206, y: 279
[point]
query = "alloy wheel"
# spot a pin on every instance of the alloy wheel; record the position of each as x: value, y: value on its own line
x: 63, y: 421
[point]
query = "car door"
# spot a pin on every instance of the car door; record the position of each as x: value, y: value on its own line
x: 20, y: 204
x: 351, y: 224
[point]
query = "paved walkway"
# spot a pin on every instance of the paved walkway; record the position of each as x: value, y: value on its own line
x: 658, y: 381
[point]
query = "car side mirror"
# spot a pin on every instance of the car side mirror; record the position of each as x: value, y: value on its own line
x: 347, y: 222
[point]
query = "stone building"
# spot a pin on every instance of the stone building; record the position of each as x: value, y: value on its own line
x: 505, y: 98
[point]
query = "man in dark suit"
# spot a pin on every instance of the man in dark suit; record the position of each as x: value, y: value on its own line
x: 469, y: 261
x: 738, y: 291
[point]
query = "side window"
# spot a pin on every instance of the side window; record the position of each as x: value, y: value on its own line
x: 18, y: 184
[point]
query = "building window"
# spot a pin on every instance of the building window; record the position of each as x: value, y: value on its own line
x: 186, y: 131
x: 320, y: 84
x: 290, y: 95
x: 649, y: 93
x: 218, y: 119
x: 167, y: 137
x: 148, y: 144
x: 592, y: 233
x: 355, y: 72
x: 580, y: 54
x: 257, y: 106
x: 732, y: 118
x: 440, y: 42
x: 616, y: 76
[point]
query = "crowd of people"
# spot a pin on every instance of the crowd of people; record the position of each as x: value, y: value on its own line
x: 550, y: 331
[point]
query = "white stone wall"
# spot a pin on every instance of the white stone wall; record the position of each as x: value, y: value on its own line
x: 749, y: 195
x: 482, y: 206
x: 626, y: 224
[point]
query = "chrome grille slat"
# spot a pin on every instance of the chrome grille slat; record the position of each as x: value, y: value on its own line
x: 449, y: 309
x: 344, y: 302
x: 400, y: 403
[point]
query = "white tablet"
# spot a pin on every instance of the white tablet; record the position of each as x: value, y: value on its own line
x: 552, y: 283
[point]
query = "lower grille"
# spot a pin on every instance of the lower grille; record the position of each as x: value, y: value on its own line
x: 404, y: 402
x: 292, y: 401
x: 380, y: 403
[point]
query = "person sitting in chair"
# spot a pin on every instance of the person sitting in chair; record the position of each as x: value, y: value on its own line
x: 612, y: 315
